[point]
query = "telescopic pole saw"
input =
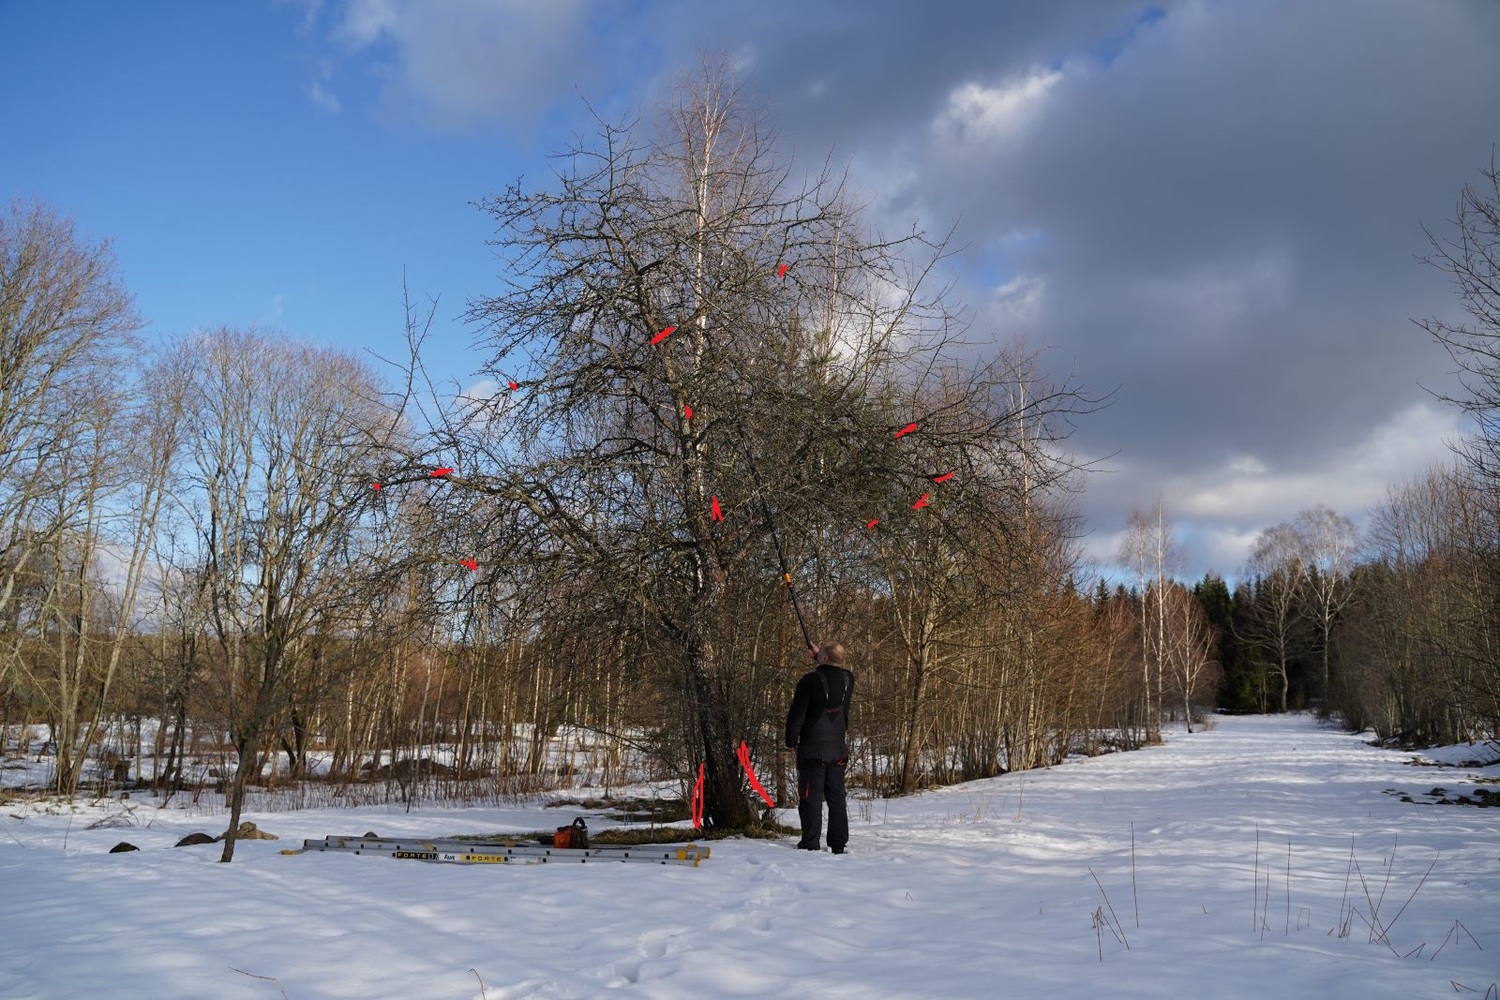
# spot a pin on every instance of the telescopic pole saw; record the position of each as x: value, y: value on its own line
x: 786, y: 573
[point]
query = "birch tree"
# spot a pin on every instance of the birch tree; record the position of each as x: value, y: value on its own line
x: 1278, y: 564
x: 1332, y: 542
x: 1189, y: 650
x: 1151, y: 549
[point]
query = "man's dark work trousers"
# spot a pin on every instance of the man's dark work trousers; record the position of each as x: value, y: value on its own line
x: 819, y: 781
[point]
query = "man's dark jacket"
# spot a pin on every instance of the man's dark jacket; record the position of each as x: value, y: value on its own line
x: 811, y: 729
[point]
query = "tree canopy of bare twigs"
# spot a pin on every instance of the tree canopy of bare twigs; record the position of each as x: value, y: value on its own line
x: 1471, y: 258
x: 66, y: 326
x: 279, y: 438
x: 681, y: 406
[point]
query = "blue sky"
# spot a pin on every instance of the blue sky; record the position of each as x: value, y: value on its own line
x: 187, y: 134
x: 1212, y: 208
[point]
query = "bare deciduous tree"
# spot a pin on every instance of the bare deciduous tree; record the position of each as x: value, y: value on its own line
x: 1278, y: 565
x: 65, y: 327
x: 1151, y: 548
x: 608, y: 473
x: 113, y: 474
x: 1189, y: 652
x: 684, y: 408
x: 1332, y: 542
x: 1422, y: 629
x: 281, y: 438
x: 1471, y: 258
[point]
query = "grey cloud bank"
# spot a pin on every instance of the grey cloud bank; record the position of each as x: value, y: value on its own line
x: 1214, y: 209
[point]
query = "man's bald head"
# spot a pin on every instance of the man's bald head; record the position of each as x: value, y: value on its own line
x: 831, y: 653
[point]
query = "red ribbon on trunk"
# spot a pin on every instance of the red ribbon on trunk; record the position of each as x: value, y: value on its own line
x: 696, y: 807
x: 750, y: 773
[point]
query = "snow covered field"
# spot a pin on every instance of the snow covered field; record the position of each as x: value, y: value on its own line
x: 982, y: 890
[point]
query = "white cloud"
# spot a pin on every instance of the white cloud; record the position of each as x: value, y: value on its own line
x: 982, y: 114
x: 1246, y: 490
x: 1219, y: 550
x: 481, y: 403
x: 478, y: 395
x: 365, y: 21
x: 458, y: 63
x: 1218, y: 512
x: 1202, y: 548
x: 1247, y: 465
x: 309, y: 10
x: 1018, y: 302
x: 324, y: 99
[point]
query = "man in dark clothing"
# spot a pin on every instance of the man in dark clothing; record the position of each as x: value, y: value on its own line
x: 816, y: 728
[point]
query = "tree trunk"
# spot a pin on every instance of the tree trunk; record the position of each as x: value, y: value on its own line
x: 911, y: 726
x: 724, y: 804
x: 1285, y: 682
x: 246, y: 755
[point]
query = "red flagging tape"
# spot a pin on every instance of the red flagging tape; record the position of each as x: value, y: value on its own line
x: 696, y: 808
x: 750, y: 773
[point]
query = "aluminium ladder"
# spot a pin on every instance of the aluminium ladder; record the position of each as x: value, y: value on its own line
x: 504, y: 852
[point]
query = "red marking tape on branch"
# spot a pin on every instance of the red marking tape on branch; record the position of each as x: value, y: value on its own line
x: 781, y: 271
x: 687, y: 413
x: 922, y: 502
x: 750, y: 773
x: 714, y: 510
x: 441, y: 472
x: 375, y: 487
x: 873, y: 523
x: 514, y: 387
x: 663, y: 335
x: 943, y: 478
x: 906, y: 430
x: 470, y: 563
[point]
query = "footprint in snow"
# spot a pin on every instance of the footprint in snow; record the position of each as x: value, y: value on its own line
x: 654, y: 944
x: 628, y: 972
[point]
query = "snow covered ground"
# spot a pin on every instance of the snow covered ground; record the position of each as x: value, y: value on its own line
x: 982, y: 890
